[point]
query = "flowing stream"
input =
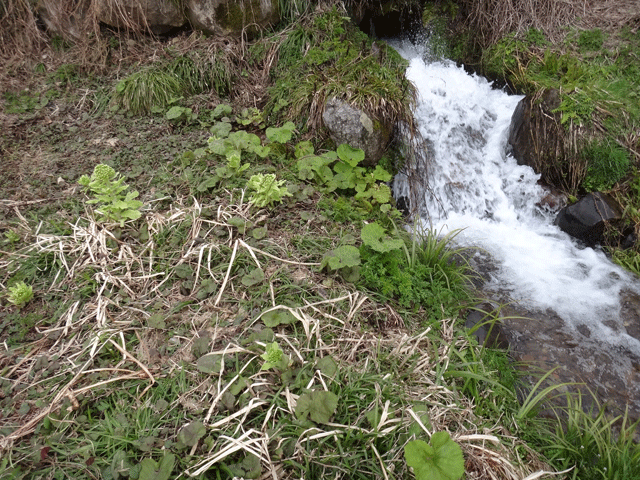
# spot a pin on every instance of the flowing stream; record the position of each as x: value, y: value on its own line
x: 475, y: 185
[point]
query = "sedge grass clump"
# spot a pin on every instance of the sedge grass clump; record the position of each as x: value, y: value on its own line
x: 593, y: 444
x: 202, y: 75
x: 147, y: 90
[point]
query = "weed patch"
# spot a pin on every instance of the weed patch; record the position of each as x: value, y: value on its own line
x: 607, y: 164
x: 321, y: 59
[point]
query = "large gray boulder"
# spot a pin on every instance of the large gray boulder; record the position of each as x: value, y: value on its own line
x: 159, y: 16
x: 587, y: 219
x: 351, y: 125
x: 232, y: 17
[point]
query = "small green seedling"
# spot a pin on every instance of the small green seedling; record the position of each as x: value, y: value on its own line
x: 274, y: 357
x: 109, y: 191
x: 440, y: 460
x: 266, y: 190
x: 11, y: 237
x: 345, y: 260
x: 20, y: 294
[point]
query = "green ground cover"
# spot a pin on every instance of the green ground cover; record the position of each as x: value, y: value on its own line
x: 248, y: 313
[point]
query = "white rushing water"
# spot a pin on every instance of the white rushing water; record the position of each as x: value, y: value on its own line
x: 476, y: 186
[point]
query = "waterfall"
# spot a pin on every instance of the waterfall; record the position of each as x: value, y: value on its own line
x: 477, y: 186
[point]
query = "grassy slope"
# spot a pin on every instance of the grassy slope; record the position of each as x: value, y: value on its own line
x: 142, y: 350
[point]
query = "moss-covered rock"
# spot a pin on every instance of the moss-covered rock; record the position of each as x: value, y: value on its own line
x: 355, y: 127
x: 328, y: 57
x: 232, y: 17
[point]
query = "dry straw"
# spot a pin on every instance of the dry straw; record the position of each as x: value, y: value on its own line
x: 492, y: 19
x: 330, y: 327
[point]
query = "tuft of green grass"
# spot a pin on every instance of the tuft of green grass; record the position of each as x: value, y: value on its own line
x: 590, y: 40
x: 593, y: 444
x: 147, y: 90
x: 292, y: 10
x: 607, y: 163
x: 201, y: 75
x: 323, y: 58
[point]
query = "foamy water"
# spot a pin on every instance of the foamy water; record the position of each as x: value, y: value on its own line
x: 476, y: 186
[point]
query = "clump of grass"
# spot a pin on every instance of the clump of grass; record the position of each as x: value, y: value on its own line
x: 328, y: 57
x: 593, y: 444
x: 155, y: 87
x: 292, y: 10
x: 628, y: 259
x: 148, y: 89
x: 200, y: 75
x: 590, y: 40
x: 607, y: 163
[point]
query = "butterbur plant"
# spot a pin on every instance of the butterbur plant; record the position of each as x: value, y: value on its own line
x: 266, y: 190
x: 339, y: 170
x: 20, y: 294
x: 441, y: 459
x: 274, y: 357
x: 109, y: 190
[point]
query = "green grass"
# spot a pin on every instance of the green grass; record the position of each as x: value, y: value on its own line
x: 596, y: 83
x: 594, y: 444
x: 146, y: 90
x: 607, y: 163
x: 156, y: 87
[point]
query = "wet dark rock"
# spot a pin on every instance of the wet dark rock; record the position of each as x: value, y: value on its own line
x: 540, y: 341
x: 587, y: 219
x: 538, y: 139
x: 630, y: 314
x: 534, y: 129
x: 403, y: 204
x: 552, y: 201
x: 356, y: 127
